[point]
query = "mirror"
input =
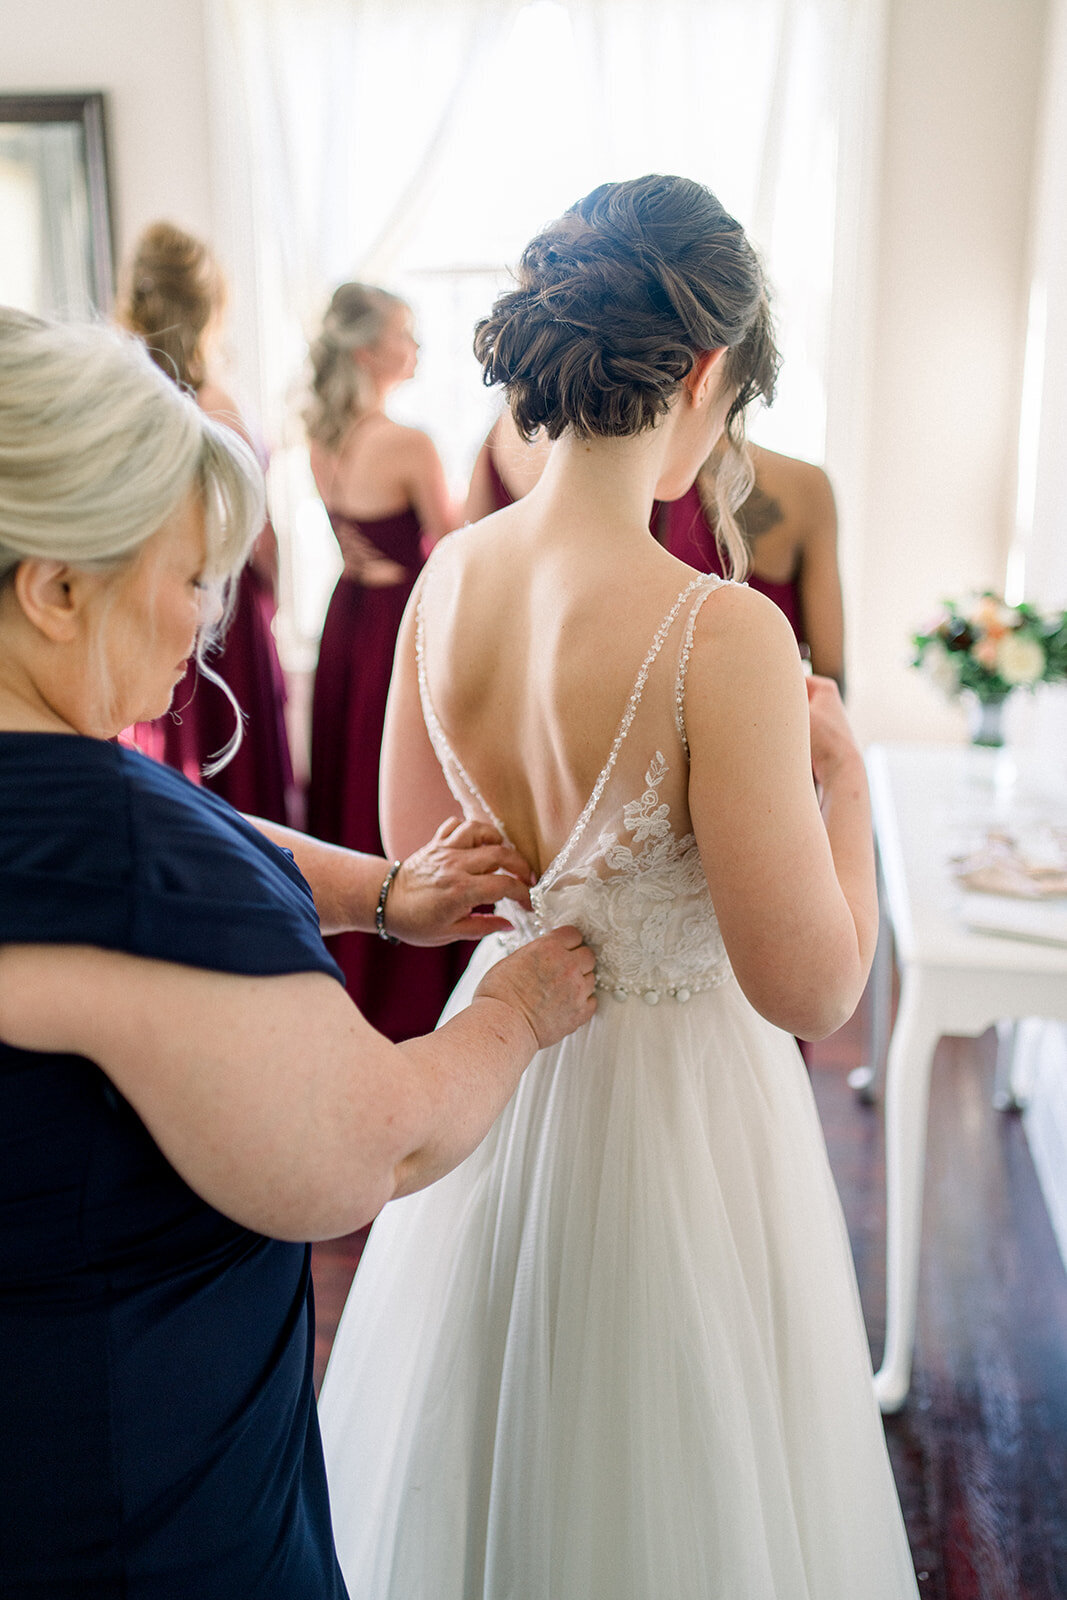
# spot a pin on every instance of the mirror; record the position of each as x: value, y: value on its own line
x: 55, y: 220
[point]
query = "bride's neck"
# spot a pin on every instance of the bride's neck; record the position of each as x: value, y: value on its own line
x: 610, y: 482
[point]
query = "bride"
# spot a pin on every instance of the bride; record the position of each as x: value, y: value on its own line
x: 618, y: 1354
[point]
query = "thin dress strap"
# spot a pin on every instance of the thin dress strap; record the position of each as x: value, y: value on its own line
x: 455, y: 772
x: 659, y: 638
x: 683, y: 660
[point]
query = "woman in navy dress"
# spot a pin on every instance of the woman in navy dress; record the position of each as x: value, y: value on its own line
x: 175, y: 299
x: 186, y: 1093
x: 385, y: 493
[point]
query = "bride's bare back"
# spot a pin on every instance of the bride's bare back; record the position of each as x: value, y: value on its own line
x: 531, y: 631
x: 531, y: 653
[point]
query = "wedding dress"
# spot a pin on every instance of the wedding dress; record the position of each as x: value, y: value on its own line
x: 618, y: 1354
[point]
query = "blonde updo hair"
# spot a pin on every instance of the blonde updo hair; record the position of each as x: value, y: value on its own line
x: 98, y: 448
x: 174, y: 288
x: 340, y: 389
x: 614, y: 301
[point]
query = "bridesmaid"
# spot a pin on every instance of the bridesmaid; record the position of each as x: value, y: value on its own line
x: 788, y: 519
x: 175, y: 300
x: 385, y: 493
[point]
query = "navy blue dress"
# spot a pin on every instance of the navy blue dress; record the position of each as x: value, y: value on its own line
x: 158, y: 1431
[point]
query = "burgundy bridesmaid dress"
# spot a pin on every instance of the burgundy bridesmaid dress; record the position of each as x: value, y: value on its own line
x: 400, y: 989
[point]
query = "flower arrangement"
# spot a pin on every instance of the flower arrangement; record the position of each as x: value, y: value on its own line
x: 990, y: 648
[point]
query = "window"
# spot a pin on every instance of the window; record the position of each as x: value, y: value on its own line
x: 420, y: 144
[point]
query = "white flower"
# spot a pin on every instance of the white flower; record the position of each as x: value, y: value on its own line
x: 1020, y: 659
x: 941, y: 665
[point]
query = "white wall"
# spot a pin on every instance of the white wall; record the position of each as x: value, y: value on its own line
x: 934, y: 516
x: 148, y: 56
x: 1046, y: 544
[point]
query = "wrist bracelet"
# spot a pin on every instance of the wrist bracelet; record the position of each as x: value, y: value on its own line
x: 379, y: 910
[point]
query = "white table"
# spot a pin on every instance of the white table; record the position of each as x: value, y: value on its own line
x: 926, y: 799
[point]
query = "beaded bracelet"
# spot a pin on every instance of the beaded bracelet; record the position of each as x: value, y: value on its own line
x: 379, y: 910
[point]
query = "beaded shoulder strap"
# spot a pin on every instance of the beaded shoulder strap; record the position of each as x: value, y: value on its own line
x: 623, y: 729
x: 713, y: 583
x: 451, y: 765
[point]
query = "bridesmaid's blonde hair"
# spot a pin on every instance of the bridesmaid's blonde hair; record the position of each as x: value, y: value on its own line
x: 340, y: 393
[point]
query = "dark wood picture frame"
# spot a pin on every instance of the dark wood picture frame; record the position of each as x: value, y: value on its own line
x: 87, y: 111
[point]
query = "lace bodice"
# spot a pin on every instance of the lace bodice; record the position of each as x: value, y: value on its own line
x: 629, y: 875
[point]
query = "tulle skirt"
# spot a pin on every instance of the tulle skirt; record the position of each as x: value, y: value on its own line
x: 618, y: 1354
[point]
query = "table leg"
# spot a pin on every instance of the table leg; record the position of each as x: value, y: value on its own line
x: 1006, y: 1096
x: 907, y: 1095
x: 866, y: 1079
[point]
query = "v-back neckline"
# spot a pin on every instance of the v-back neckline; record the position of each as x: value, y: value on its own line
x: 439, y: 736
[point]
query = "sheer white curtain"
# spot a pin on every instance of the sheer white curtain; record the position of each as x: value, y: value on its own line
x: 419, y: 144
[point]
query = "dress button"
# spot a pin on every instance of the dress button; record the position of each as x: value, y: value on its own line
x: 620, y: 995
x: 651, y: 997
x: 682, y: 995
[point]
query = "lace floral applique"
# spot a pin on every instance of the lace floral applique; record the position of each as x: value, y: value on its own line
x: 648, y: 913
x: 645, y: 818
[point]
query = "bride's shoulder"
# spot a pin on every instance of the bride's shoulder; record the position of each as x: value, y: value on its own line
x: 473, y: 544
x: 447, y: 568
x: 739, y: 626
x: 455, y: 548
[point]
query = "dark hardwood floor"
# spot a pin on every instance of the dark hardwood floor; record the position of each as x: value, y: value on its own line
x: 980, y: 1451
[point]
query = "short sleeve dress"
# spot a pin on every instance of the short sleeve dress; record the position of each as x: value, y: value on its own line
x: 158, y: 1432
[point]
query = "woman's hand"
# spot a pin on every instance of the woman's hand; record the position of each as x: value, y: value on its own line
x: 432, y: 898
x: 464, y: 865
x: 550, y: 982
x: 833, y: 746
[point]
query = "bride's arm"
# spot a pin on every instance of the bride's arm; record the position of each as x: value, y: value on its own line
x: 413, y: 796
x: 793, y: 886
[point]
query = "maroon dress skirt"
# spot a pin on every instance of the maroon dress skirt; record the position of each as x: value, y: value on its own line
x: 400, y: 989
x: 200, y: 722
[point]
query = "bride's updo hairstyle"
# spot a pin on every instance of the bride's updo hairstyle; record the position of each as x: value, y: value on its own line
x: 340, y: 390
x: 613, y: 303
x: 97, y: 449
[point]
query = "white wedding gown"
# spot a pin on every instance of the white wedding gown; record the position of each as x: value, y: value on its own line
x: 618, y: 1354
